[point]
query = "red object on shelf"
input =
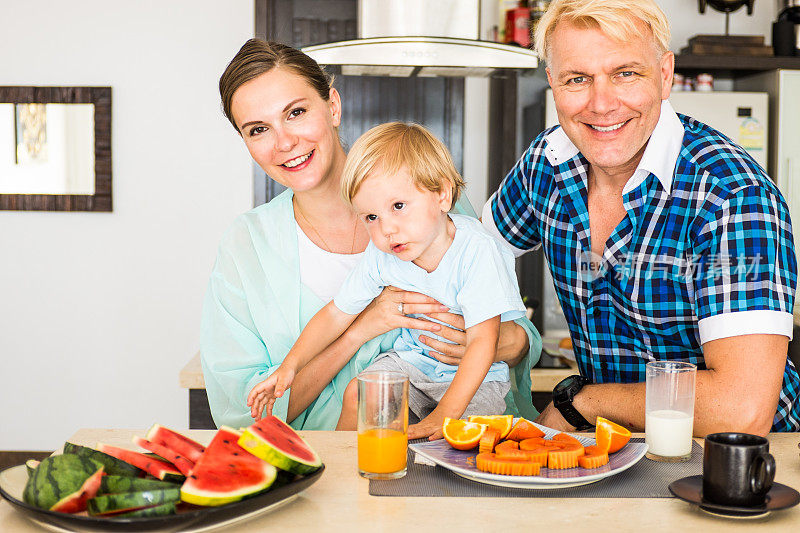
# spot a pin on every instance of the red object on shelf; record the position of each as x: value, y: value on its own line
x: 518, y: 27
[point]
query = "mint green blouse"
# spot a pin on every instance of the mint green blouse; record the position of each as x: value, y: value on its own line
x: 255, y: 308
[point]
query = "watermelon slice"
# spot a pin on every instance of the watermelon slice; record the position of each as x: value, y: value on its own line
x: 117, y: 484
x: 31, y: 465
x: 176, y: 442
x: 110, y: 504
x: 155, y: 467
x: 156, y: 510
x: 63, y: 483
x: 113, y: 466
x: 181, y: 463
x: 226, y: 473
x: 277, y: 443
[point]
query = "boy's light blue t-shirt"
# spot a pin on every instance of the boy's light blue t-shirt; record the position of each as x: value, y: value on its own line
x: 475, y: 278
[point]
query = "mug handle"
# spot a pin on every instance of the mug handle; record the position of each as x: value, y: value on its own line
x: 762, y: 473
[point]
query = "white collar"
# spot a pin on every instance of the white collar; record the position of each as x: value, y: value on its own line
x: 659, y: 156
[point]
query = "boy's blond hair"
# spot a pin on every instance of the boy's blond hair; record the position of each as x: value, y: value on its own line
x: 615, y: 18
x: 397, y: 145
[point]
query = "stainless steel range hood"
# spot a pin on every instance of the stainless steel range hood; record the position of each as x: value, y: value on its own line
x: 421, y: 38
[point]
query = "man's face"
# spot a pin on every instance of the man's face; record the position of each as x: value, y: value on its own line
x: 608, y: 94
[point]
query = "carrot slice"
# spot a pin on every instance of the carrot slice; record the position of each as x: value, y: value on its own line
x: 524, y: 429
x: 538, y: 455
x: 530, y: 444
x: 489, y: 440
x: 563, y: 437
x: 506, y: 445
x: 507, y: 453
x: 566, y: 456
x: 595, y: 457
x: 489, y: 462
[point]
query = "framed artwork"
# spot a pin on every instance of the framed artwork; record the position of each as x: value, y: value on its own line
x: 55, y: 149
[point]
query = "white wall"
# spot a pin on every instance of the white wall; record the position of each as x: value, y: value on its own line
x: 99, y: 311
x: 686, y: 21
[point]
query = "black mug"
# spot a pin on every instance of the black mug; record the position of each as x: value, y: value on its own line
x: 784, y: 38
x: 738, y: 469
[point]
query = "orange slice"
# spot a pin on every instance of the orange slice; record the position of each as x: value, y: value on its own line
x: 593, y: 458
x: 462, y: 435
x: 501, y: 423
x: 524, y: 429
x: 489, y: 462
x: 610, y: 436
x: 489, y: 440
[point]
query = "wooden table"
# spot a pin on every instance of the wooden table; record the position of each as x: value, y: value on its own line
x: 340, y: 501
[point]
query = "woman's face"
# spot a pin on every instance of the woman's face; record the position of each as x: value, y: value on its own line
x: 289, y: 129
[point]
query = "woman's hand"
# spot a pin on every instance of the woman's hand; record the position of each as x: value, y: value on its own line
x: 389, y: 309
x: 512, y: 345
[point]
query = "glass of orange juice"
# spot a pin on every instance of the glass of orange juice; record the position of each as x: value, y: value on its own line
x: 382, y: 424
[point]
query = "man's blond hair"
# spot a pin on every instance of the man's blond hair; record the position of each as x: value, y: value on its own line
x: 615, y: 18
x: 397, y: 145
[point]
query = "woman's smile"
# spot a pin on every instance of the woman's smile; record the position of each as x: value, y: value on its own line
x: 299, y: 163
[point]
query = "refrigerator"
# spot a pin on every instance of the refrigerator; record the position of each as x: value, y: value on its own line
x: 783, y: 88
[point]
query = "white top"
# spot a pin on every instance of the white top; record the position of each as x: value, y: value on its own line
x: 475, y: 278
x: 322, y: 271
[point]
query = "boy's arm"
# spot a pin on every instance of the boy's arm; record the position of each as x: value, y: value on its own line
x: 324, y: 327
x: 479, y: 356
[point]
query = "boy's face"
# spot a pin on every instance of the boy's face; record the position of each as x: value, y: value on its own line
x: 404, y: 220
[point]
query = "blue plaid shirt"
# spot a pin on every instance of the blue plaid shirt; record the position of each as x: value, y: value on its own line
x: 705, y: 251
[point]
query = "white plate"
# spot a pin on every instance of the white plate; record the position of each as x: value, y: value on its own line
x: 550, y: 343
x: 463, y: 464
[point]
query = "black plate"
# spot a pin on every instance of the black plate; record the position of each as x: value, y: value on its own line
x: 186, y: 519
x: 690, y: 489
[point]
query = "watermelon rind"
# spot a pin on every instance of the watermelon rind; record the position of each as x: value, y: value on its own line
x: 236, y: 473
x: 128, y: 501
x: 263, y: 439
x: 117, y: 484
x: 77, y: 501
x: 113, y: 466
x: 30, y: 466
x: 60, y: 479
x: 157, y: 510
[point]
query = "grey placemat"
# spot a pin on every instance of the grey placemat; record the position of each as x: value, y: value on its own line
x: 645, y: 479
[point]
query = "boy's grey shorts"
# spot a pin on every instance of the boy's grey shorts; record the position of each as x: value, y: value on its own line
x: 424, y: 394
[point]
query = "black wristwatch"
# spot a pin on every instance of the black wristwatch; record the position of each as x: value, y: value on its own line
x: 563, y: 393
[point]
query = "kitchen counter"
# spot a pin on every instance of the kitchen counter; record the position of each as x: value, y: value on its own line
x: 340, y: 501
x: 191, y: 377
x: 543, y: 379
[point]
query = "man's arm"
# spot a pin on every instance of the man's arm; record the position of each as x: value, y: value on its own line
x: 738, y: 391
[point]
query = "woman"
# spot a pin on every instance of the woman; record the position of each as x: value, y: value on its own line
x: 282, y: 261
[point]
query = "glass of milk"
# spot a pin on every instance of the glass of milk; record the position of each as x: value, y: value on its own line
x: 669, y: 410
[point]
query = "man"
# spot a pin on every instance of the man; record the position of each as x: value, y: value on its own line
x: 688, y: 242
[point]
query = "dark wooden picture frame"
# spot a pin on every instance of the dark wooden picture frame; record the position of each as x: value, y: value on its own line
x: 101, y: 200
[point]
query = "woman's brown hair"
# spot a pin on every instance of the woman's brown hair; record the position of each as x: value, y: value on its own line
x: 257, y: 57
